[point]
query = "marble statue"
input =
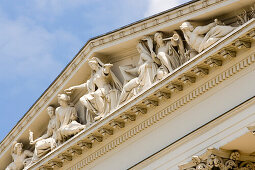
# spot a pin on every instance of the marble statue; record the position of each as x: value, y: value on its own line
x: 168, y: 53
x: 47, y: 142
x: 103, y: 90
x: 146, y: 73
x: 201, y: 37
x: 20, y: 157
x: 66, y: 117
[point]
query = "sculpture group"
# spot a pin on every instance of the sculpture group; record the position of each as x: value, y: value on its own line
x: 159, y: 55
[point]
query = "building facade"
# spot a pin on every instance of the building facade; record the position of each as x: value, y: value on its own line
x: 172, y: 91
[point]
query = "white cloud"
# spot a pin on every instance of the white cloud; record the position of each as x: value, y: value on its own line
x: 56, y: 7
x: 27, y: 50
x: 156, y: 6
x: 21, y: 44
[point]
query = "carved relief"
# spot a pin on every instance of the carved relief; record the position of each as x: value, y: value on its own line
x: 170, y: 53
x: 20, y: 157
x: 202, y: 37
x: 66, y: 117
x: 156, y: 61
x: 220, y: 159
x: 140, y: 77
x: 103, y: 90
x: 47, y: 142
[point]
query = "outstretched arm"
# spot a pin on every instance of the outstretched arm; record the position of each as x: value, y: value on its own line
x: 45, y: 136
x: 84, y: 85
x: 71, y: 89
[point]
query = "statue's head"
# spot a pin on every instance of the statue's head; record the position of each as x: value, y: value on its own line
x: 51, y: 111
x: 187, y: 26
x: 17, y: 148
x: 158, y: 37
x: 93, y: 63
x: 63, y: 98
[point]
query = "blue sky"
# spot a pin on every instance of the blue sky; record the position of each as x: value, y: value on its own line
x: 39, y: 37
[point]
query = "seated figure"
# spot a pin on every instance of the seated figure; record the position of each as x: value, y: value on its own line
x: 66, y: 119
x: 47, y: 142
x: 146, y: 74
x: 103, y: 89
x: 20, y: 157
x: 202, y: 37
x: 169, y: 53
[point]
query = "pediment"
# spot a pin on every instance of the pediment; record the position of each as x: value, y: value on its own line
x: 120, y: 48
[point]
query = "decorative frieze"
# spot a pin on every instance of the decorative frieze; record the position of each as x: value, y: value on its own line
x: 240, y: 44
x: 150, y: 103
x: 84, y: 144
x: 55, y: 163
x: 220, y: 159
x: 116, y: 124
x: 127, y: 117
x: 187, y: 79
x: 175, y: 87
x: 75, y: 151
x: 161, y: 95
x: 45, y: 168
x: 65, y: 157
x: 105, y: 131
x: 225, y: 53
x: 251, y: 34
x: 200, y: 71
x: 213, y: 62
x: 94, y: 138
x: 138, y: 110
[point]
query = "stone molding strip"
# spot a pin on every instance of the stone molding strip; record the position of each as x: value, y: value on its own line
x: 168, y: 110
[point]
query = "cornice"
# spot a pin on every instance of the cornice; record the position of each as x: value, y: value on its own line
x: 105, y: 40
x: 139, y: 104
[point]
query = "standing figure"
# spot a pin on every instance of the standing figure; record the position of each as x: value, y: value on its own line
x: 202, y: 37
x: 166, y: 55
x: 146, y: 73
x: 47, y: 142
x: 66, y: 117
x: 20, y: 157
x: 103, y: 90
